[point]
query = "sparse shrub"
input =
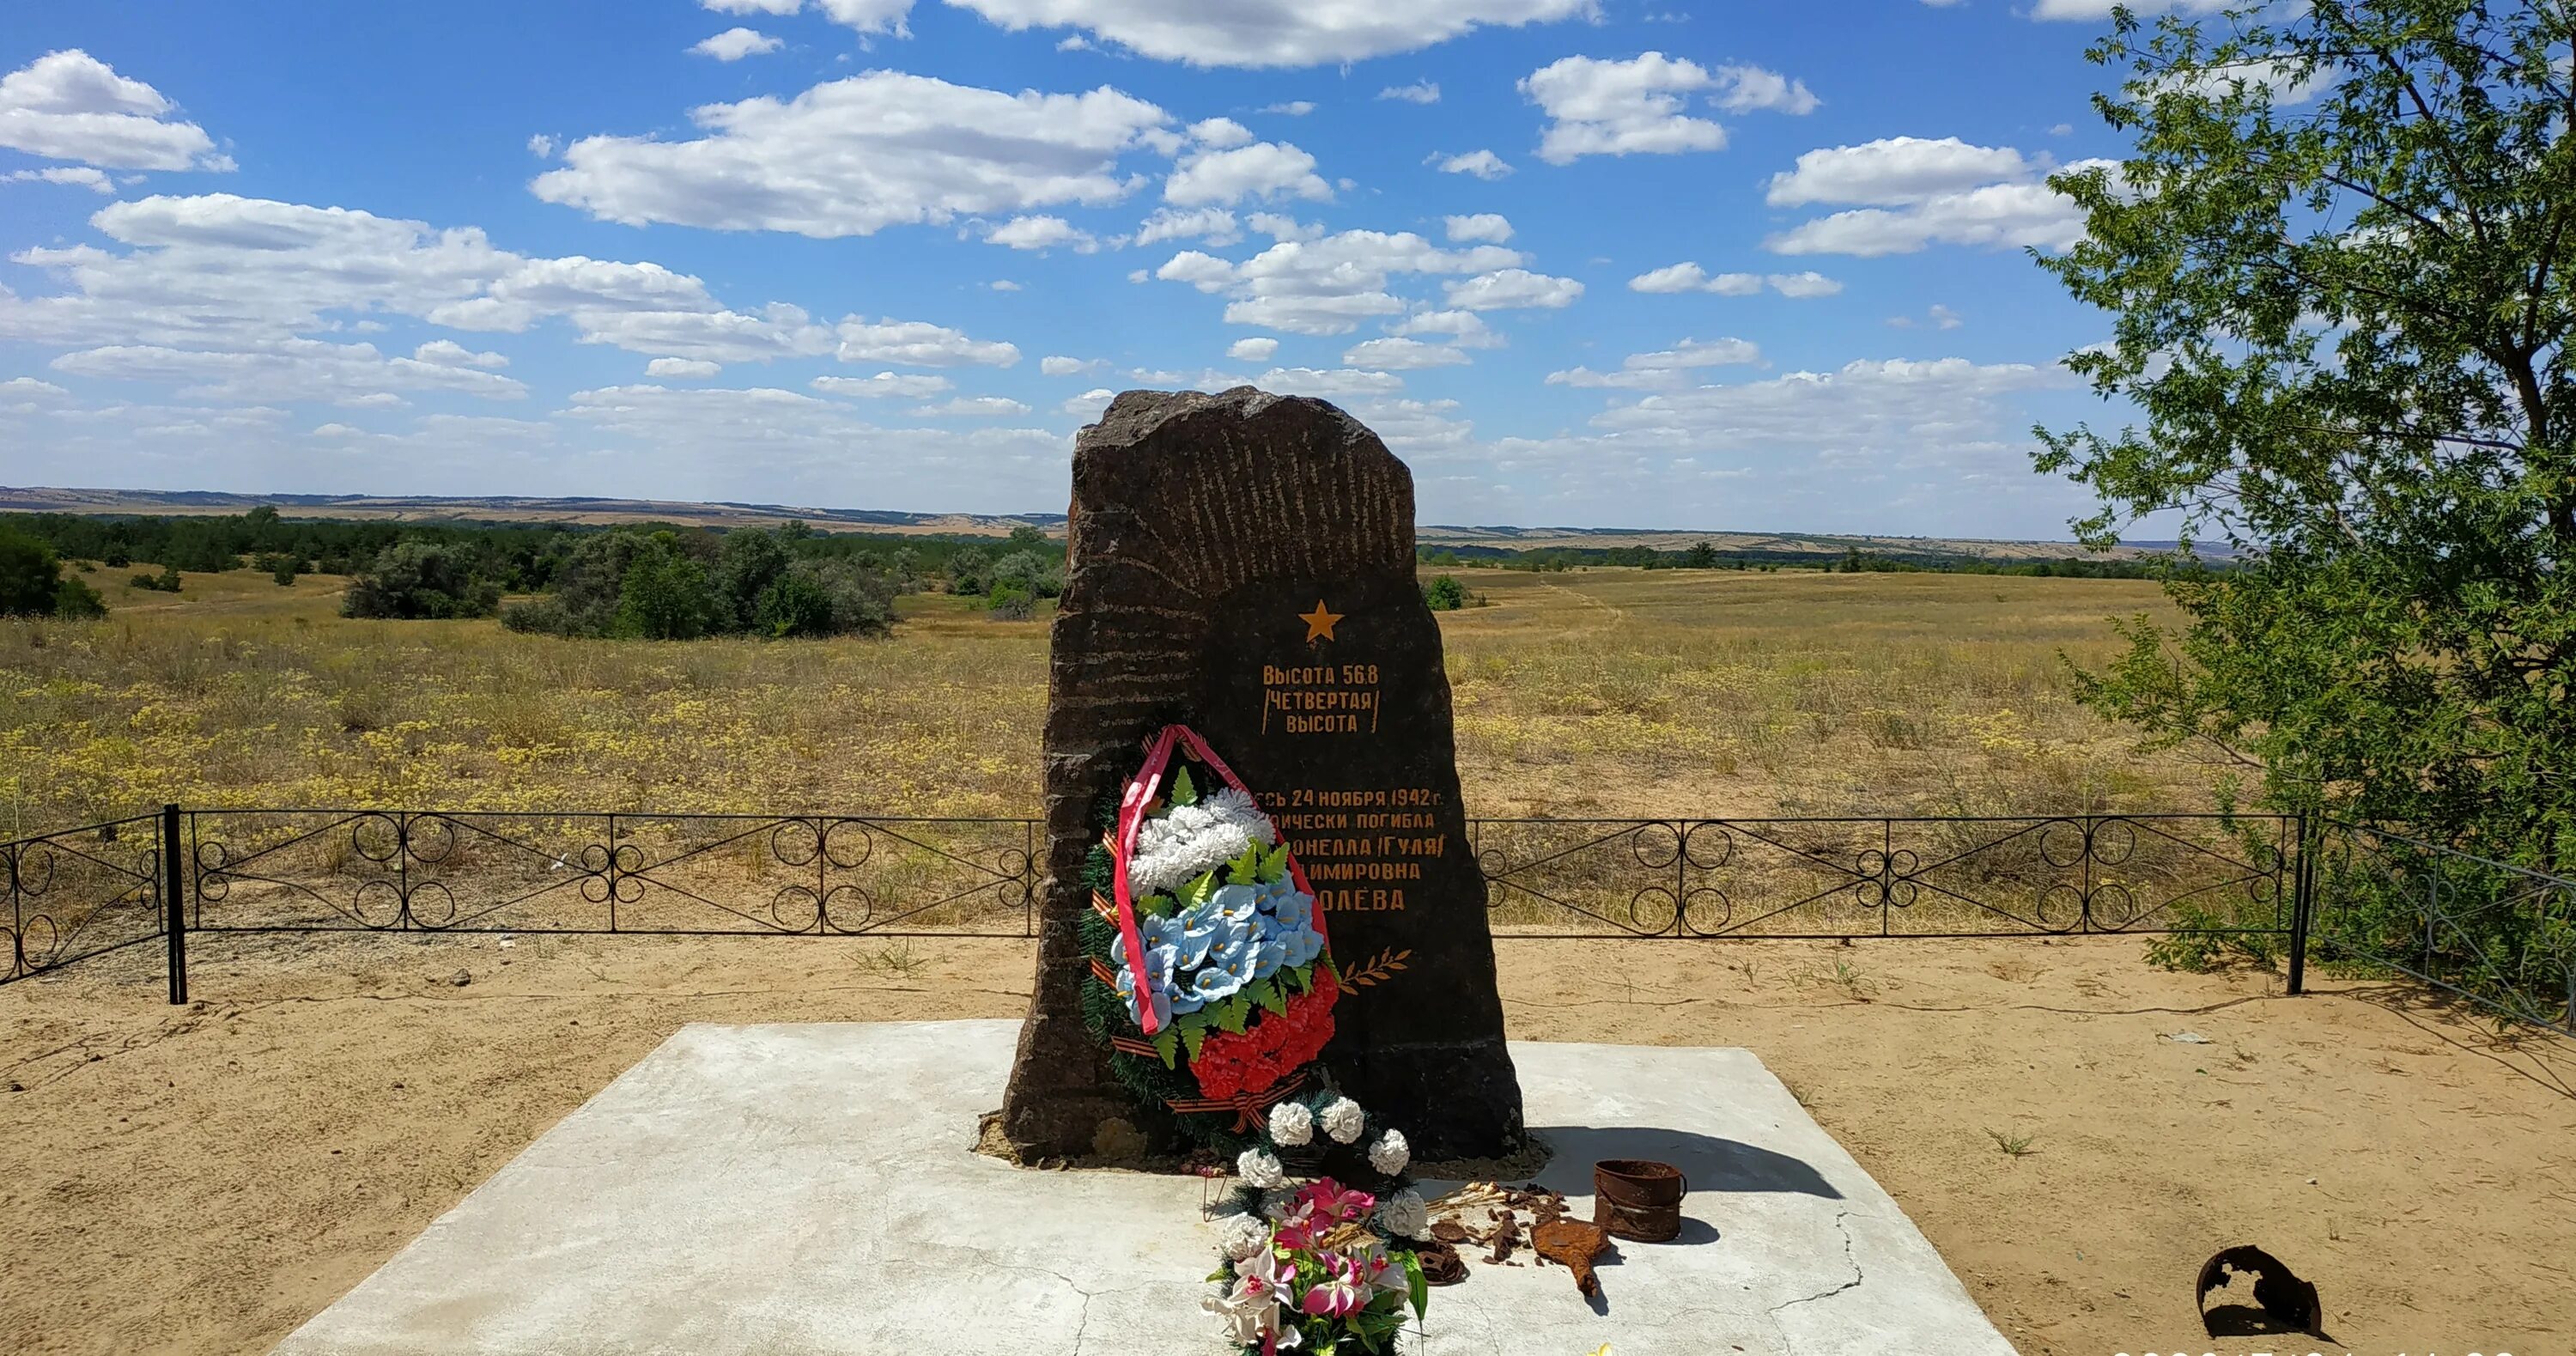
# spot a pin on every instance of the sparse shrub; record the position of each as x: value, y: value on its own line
x: 167, y: 581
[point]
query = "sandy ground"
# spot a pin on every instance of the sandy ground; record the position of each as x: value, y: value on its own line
x: 201, y: 1179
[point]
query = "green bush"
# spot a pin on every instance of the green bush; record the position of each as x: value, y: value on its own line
x: 970, y: 571
x: 1444, y: 594
x: 1010, y: 602
x: 419, y: 580
x: 1039, y: 576
x: 167, y: 581
x: 74, y: 598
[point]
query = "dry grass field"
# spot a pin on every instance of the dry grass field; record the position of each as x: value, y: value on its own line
x: 1603, y: 692
x: 201, y: 1179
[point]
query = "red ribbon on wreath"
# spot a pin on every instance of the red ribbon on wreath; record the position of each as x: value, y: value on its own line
x: 1131, y: 820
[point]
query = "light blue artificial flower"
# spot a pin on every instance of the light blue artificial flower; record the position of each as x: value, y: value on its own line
x: 1158, y: 985
x: 1237, y: 903
x: 1202, y: 929
x: 1269, y: 956
x: 1294, y: 910
x: 1215, y: 984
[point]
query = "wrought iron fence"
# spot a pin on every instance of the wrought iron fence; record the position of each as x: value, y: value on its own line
x: 83, y: 892
x: 1890, y: 877
x: 2500, y: 936
x: 458, y: 871
x: 2497, y: 935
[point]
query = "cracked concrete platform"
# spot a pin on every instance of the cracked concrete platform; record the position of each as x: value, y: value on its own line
x: 813, y: 1189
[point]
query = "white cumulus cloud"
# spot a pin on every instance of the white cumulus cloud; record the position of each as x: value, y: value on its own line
x: 852, y: 157
x: 1258, y: 349
x: 76, y: 176
x: 1038, y: 233
x: 1485, y: 226
x: 69, y: 105
x: 1419, y: 92
x: 693, y: 368
x: 734, y: 44
x: 917, y: 343
x: 905, y: 385
x: 1401, y: 355
x: 1272, y: 32
x: 1214, y: 225
x: 1264, y: 169
x: 1664, y: 368
x: 1483, y: 164
x: 1640, y: 106
x: 1510, y: 288
x: 1056, y: 365
x: 1917, y: 192
x: 1687, y: 276
x: 973, y: 407
x: 1893, y: 170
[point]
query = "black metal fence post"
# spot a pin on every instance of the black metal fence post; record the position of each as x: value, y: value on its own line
x: 2303, y: 892
x: 174, y: 903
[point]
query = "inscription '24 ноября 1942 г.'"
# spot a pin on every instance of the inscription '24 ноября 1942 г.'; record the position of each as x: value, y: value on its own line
x: 1359, y: 846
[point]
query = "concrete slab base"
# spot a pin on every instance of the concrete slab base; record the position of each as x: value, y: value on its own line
x: 813, y: 1189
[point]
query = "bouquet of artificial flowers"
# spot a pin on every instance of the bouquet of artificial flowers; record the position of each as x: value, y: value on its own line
x: 1325, y: 1266
x: 1210, y: 979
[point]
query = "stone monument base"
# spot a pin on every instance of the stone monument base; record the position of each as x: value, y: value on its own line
x: 814, y: 1189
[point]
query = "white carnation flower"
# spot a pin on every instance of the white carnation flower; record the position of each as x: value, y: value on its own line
x: 1343, y: 1120
x: 1405, y: 1215
x: 1390, y: 1153
x: 1261, y: 1168
x: 1291, y: 1124
x: 1191, y: 840
x: 1242, y: 1235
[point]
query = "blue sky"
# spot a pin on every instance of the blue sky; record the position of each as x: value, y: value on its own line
x: 1605, y: 264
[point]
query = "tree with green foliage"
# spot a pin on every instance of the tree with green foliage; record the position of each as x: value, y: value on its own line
x: 749, y: 564
x: 420, y: 580
x: 1701, y: 556
x: 665, y: 594
x: 167, y: 581
x: 970, y: 571
x: 1444, y: 594
x: 2338, y: 262
x: 1037, y: 575
x: 32, y: 582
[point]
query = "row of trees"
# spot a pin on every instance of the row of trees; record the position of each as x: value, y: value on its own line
x: 1706, y: 556
x: 669, y: 585
x: 518, y: 558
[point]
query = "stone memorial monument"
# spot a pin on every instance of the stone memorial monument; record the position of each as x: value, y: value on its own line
x: 1243, y: 563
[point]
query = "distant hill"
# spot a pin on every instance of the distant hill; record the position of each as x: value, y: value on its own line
x: 588, y: 512
x: 596, y: 512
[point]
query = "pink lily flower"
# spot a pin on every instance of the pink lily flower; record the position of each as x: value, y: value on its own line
x: 1340, y: 1293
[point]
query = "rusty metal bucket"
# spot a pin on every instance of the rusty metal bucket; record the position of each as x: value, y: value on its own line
x: 1638, y: 1199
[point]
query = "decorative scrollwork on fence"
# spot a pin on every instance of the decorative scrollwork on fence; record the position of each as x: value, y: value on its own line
x: 1884, y: 876
x: 78, y: 893
x: 394, y: 870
